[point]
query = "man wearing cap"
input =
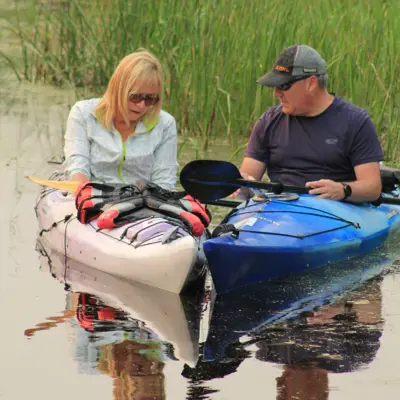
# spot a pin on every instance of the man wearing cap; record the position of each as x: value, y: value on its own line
x: 313, y: 137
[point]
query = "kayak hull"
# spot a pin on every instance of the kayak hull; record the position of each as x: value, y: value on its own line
x: 135, y: 251
x: 275, y: 237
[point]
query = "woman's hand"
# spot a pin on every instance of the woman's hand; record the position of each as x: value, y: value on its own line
x: 79, y: 177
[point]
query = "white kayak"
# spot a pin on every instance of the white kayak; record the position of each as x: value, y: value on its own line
x: 168, y: 316
x: 153, y: 250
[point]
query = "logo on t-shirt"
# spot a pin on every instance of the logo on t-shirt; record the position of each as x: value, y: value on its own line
x: 331, y: 140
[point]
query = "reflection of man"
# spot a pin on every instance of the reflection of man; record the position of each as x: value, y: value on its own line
x: 303, y: 382
x: 340, y: 337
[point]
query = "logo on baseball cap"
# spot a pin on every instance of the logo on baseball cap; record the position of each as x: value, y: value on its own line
x: 293, y: 63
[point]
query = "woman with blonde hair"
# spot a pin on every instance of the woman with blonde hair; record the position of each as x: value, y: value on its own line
x: 125, y: 136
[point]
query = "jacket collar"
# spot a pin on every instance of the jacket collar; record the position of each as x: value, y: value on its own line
x: 143, y: 126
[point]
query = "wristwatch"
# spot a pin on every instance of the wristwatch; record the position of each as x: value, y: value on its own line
x: 347, y: 190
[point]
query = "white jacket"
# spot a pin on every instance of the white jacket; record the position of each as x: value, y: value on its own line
x: 150, y: 153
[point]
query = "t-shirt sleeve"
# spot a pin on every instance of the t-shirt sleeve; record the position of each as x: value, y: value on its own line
x: 257, y: 148
x: 366, y: 147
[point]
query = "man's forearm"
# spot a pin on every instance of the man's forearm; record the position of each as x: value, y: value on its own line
x: 364, y: 191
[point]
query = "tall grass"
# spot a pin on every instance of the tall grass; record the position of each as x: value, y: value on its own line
x: 213, y: 52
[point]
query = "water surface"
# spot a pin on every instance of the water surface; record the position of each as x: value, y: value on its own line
x: 107, y: 339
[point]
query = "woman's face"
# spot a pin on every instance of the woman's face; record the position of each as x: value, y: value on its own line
x: 144, y: 91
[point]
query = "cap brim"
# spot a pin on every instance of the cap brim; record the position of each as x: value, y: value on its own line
x: 274, y: 79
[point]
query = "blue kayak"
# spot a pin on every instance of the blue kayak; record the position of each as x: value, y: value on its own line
x: 289, y: 233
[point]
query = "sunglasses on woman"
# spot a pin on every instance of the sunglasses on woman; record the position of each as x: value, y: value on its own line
x: 149, y: 99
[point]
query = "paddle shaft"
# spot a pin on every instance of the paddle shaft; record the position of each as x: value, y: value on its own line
x: 386, y: 200
x: 275, y: 187
x: 223, y: 203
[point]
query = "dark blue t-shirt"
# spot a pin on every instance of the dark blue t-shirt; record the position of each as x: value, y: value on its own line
x: 328, y: 146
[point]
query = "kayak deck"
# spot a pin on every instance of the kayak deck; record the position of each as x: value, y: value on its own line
x: 274, y: 237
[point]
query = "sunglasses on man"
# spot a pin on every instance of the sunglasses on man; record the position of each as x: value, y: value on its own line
x: 149, y: 99
x: 288, y: 85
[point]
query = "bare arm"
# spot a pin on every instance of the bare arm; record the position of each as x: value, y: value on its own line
x: 366, y: 187
x: 252, y: 168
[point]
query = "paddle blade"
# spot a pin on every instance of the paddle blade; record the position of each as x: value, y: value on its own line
x: 209, y: 180
x: 70, y: 186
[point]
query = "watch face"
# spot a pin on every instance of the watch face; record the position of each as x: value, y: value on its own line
x: 347, y: 190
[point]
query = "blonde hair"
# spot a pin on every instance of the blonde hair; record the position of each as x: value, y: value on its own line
x: 139, y: 66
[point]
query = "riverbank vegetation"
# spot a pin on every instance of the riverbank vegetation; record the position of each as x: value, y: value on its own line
x: 213, y: 52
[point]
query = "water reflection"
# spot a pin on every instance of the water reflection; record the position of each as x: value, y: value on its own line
x: 108, y: 341
x: 313, y: 324
x: 341, y: 337
x: 125, y: 330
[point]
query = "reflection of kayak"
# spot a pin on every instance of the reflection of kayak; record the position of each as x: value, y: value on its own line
x: 172, y: 318
x: 343, y: 335
x: 279, y: 300
x: 291, y: 233
x: 154, y: 249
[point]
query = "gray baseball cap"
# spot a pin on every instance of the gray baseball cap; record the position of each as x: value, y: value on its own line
x: 294, y: 63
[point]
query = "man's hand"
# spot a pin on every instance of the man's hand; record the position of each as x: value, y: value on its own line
x: 251, y: 170
x: 326, y: 189
x: 243, y: 193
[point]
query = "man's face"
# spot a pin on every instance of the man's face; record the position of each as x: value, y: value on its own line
x: 296, y: 99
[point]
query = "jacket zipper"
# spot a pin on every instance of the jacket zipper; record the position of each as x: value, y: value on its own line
x: 122, y: 160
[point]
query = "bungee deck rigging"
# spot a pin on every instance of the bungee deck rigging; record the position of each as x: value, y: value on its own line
x: 223, y: 227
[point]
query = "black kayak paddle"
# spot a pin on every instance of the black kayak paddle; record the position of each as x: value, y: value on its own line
x: 209, y: 180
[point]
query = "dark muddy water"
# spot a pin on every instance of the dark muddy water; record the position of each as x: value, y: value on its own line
x: 103, y: 338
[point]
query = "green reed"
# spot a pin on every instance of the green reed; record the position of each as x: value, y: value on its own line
x: 213, y: 52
